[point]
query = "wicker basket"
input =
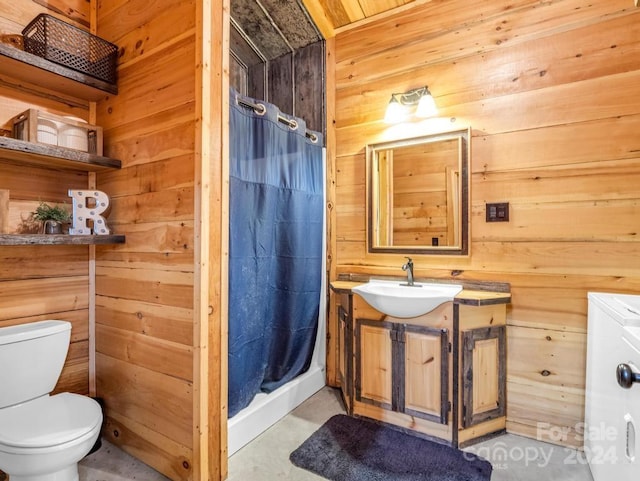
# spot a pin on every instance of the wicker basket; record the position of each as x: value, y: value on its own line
x: 64, y: 44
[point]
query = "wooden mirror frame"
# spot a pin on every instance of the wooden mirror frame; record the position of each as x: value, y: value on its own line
x: 462, y: 248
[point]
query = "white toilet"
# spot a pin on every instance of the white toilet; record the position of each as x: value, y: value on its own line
x: 42, y: 437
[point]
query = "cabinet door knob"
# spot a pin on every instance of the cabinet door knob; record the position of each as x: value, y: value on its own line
x: 625, y: 376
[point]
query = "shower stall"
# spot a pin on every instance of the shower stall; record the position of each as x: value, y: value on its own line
x: 267, y: 409
x: 277, y: 273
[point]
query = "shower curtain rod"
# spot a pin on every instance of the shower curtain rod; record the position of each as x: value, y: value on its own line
x: 261, y: 109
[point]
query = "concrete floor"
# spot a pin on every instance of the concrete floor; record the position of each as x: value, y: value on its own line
x: 110, y: 463
x: 267, y: 458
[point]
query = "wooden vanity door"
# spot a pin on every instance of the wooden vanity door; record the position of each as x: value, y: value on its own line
x: 483, y: 374
x: 425, y: 388
x: 374, y: 363
x: 404, y: 368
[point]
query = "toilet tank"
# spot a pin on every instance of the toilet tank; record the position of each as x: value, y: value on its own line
x: 31, y: 359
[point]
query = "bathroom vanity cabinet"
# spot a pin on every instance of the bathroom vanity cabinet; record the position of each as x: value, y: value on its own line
x: 442, y: 374
x: 402, y: 366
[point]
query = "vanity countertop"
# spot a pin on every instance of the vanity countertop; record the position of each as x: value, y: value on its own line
x: 344, y: 287
x: 470, y: 297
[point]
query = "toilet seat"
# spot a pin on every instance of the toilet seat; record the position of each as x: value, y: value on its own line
x: 48, y: 421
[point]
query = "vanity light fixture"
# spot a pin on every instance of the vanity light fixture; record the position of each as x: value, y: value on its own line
x: 398, y: 111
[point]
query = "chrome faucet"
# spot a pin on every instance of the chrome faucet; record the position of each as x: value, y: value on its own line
x: 409, y: 268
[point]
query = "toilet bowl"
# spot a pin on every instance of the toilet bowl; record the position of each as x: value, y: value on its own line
x: 42, y: 436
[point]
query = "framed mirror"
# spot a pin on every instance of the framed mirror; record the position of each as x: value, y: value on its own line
x: 418, y: 195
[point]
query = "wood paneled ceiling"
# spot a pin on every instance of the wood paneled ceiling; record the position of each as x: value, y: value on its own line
x: 333, y: 16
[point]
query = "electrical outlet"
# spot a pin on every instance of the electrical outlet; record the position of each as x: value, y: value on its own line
x: 497, y: 212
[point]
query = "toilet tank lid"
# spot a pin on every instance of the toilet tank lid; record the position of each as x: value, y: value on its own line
x: 32, y: 330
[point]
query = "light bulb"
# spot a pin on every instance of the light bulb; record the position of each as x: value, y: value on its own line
x: 395, y: 112
x: 426, y: 106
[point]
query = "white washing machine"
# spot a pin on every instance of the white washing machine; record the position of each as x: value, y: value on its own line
x: 612, y: 404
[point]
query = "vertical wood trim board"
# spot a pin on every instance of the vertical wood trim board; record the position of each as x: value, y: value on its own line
x: 4, y: 211
x: 210, y: 422
x: 332, y: 321
x: 218, y: 381
x: 91, y: 184
x: 202, y: 167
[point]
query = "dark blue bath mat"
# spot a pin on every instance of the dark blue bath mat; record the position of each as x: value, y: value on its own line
x: 355, y: 449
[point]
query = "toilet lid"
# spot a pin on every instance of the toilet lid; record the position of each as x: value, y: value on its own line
x: 48, y: 421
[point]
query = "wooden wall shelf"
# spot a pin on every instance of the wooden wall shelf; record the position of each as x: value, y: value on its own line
x: 36, y: 70
x: 53, y: 156
x: 62, y: 239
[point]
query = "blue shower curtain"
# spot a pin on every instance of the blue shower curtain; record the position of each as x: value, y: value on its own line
x: 275, y: 250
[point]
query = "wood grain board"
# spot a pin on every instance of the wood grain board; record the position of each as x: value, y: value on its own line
x: 4, y: 211
x: 332, y: 16
x: 40, y: 71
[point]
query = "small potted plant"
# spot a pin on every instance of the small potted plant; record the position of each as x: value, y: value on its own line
x: 52, y: 217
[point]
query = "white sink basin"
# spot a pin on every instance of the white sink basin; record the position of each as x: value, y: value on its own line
x: 397, y: 299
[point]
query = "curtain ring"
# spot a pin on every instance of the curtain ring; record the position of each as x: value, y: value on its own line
x: 293, y: 125
x: 259, y: 109
x: 312, y: 137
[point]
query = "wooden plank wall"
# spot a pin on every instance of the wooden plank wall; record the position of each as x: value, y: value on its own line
x: 551, y: 92
x: 145, y: 333
x: 43, y: 282
x: 294, y: 81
